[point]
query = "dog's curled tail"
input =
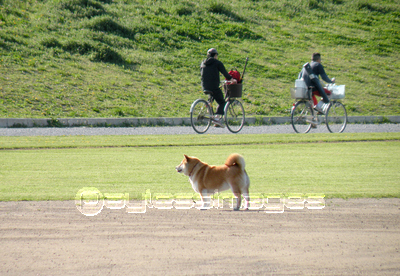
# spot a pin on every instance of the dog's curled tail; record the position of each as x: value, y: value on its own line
x: 235, y: 160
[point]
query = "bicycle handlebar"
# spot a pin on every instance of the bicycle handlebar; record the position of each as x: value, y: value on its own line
x: 330, y: 86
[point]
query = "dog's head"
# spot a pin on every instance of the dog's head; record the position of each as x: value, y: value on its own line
x: 185, y: 166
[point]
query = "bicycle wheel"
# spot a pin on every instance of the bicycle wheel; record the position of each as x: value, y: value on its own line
x: 302, y: 115
x: 336, y: 117
x: 200, y: 116
x: 234, y: 116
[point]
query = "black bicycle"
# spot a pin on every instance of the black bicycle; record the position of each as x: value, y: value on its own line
x: 202, y: 114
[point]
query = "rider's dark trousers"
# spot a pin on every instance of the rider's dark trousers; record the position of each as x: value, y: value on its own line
x: 320, y: 89
x: 219, y: 98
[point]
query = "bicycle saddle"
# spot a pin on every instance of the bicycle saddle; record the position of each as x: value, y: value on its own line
x: 208, y: 92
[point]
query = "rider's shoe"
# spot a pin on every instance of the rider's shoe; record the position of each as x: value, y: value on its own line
x: 321, y: 107
x: 218, y: 121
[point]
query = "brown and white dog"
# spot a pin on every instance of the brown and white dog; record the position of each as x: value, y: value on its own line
x: 205, y: 179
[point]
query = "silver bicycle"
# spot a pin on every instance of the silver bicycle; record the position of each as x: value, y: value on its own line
x: 304, y: 117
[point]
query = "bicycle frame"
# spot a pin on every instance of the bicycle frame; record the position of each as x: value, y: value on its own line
x: 210, y: 101
x: 303, y: 116
x: 202, y: 114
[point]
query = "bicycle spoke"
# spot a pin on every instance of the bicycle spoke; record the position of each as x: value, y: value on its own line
x: 234, y: 116
x: 336, y: 117
x: 302, y: 116
x: 200, y: 116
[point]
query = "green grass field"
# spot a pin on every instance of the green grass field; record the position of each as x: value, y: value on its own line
x: 56, y: 168
x: 137, y: 58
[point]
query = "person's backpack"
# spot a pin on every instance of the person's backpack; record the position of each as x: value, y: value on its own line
x: 235, y: 74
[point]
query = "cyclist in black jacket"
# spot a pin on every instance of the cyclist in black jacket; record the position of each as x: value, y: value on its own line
x: 210, y: 69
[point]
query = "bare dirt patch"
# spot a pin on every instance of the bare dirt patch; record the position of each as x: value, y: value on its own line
x: 347, y: 237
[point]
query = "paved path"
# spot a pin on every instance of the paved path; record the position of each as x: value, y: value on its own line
x: 273, y: 129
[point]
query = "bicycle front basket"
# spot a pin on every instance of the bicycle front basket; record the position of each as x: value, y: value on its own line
x: 338, y: 92
x: 233, y: 90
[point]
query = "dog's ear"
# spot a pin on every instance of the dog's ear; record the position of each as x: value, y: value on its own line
x: 186, y: 157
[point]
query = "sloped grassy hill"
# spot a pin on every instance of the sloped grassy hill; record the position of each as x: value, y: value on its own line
x: 116, y: 58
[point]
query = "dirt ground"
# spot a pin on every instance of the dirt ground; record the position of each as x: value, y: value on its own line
x: 347, y: 237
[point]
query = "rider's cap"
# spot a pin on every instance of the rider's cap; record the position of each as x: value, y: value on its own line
x: 212, y: 51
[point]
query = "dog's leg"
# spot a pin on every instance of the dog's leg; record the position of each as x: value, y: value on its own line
x: 202, y: 200
x: 245, y: 192
x: 205, y: 199
x: 238, y: 201
x: 247, y: 200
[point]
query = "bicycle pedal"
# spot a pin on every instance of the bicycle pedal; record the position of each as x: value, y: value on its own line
x: 313, y: 122
x: 218, y: 123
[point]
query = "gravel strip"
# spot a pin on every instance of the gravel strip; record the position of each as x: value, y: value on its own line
x: 272, y: 129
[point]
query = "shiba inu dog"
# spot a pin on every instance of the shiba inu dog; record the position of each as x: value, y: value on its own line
x: 205, y: 179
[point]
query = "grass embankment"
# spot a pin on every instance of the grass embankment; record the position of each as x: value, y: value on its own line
x: 126, y: 58
x: 56, y: 168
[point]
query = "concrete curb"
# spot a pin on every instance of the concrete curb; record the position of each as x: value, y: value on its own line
x: 132, y: 122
